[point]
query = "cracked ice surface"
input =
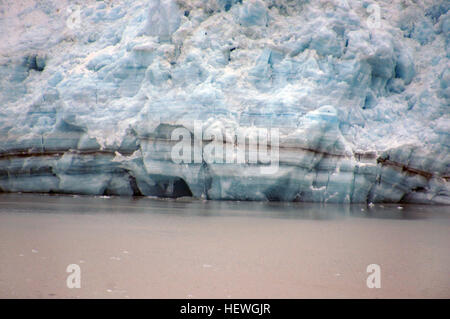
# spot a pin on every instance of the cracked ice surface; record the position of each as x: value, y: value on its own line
x: 90, y: 94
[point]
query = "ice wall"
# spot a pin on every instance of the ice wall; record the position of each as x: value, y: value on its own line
x: 90, y: 93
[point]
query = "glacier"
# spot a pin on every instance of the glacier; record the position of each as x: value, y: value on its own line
x: 91, y: 92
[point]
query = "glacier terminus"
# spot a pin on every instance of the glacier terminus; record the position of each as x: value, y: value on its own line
x: 353, y: 97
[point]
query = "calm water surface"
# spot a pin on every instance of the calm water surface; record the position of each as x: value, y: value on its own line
x: 152, y: 248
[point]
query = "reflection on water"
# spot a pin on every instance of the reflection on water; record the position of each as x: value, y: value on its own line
x: 191, y: 207
x: 185, y: 248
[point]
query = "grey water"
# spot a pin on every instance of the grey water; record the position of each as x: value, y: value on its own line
x: 140, y: 247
